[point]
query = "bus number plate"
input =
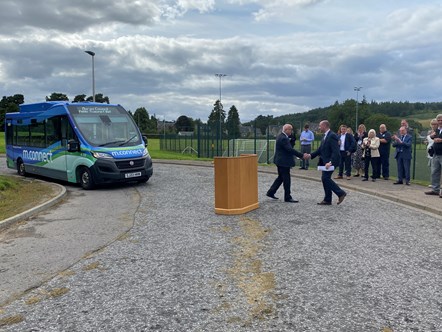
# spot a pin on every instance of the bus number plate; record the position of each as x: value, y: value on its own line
x: 132, y: 175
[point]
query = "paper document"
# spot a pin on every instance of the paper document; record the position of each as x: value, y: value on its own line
x: 322, y: 168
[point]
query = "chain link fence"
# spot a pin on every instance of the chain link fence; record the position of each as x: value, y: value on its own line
x: 206, y: 143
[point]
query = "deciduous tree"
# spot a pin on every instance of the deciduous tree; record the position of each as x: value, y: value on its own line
x: 55, y: 96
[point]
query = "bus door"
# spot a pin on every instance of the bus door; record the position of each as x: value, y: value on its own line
x: 9, y: 138
x: 55, y: 143
x: 67, y: 133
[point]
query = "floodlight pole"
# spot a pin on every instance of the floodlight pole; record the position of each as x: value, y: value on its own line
x: 220, y: 76
x: 357, y: 89
x: 92, y: 54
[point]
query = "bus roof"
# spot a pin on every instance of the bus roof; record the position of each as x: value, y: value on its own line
x: 39, y: 107
x: 44, y: 106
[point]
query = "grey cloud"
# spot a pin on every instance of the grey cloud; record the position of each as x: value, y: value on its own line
x: 74, y: 16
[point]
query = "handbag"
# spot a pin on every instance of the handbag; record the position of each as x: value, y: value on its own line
x: 431, y: 151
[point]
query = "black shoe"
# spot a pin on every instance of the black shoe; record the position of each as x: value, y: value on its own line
x: 364, y: 179
x: 386, y: 178
x: 341, y: 198
x: 271, y: 196
x: 324, y: 203
x: 301, y: 168
x: 374, y: 180
x: 407, y: 183
x: 356, y: 175
x: 291, y: 200
x: 398, y: 182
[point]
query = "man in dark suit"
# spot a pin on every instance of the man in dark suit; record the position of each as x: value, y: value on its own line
x: 347, y: 145
x: 384, y: 150
x: 328, y: 153
x: 403, y: 143
x: 284, y: 161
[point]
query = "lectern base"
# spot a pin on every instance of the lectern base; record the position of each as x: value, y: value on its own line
x: 237, y: 211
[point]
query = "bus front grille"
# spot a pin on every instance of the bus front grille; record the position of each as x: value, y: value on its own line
x: 128, y: 164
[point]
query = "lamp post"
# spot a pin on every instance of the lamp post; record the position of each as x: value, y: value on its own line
x: 220, y: 76
x: 92, y: 54
x: 357, y: 89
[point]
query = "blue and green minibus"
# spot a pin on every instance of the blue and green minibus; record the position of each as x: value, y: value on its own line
x: 86, y: 143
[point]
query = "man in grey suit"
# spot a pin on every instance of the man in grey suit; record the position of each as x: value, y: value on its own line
x: 284, y: 161
x: 329, y: 155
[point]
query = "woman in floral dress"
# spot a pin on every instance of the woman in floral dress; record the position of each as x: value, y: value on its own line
x: 358, y: 162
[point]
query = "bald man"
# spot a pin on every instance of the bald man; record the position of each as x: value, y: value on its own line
x: 284, y: 161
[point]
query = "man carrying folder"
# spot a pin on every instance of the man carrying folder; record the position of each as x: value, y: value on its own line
x: 329, y: 156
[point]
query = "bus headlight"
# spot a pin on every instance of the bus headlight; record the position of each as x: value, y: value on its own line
x: 101, y: 155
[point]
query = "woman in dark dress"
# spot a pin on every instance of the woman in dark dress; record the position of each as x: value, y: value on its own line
x: 358, y: 162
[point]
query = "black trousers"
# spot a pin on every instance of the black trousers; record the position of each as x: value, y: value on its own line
x: 374, y: 166
x: 283, y: 178
x: 384, y: 161
x: 345, y: 162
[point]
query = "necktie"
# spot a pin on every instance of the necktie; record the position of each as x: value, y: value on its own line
x: 402, y: 138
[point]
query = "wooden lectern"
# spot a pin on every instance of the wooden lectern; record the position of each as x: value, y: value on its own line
x: 236, y: 184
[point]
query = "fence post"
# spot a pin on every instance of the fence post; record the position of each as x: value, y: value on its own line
x: 198, y: 133
x: 268, y: 146
x: 414, y: 155
x: 254, y: 140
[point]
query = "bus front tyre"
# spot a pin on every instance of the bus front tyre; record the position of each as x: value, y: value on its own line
x: 86, y: 180
x: 21, y: 168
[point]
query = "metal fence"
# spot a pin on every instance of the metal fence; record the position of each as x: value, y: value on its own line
x: 205, y: 143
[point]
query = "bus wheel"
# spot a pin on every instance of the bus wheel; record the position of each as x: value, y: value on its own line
x: 86, y: 180
x: 21, y: 168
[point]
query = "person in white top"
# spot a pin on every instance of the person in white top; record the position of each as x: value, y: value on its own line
x: 371, y: 155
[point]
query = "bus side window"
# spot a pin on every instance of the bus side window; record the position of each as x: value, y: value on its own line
x: 53, y: 130
x: 22, y: 134
x: 37, y: 135
x: 9, y: 133
x: 67, y: 130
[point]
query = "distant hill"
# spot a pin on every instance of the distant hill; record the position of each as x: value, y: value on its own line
x: 418, y: 114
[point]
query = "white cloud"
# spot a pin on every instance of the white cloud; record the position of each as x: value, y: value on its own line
x: 168, y: 64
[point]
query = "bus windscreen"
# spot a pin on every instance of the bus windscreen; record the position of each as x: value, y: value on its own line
x: 105, y: 125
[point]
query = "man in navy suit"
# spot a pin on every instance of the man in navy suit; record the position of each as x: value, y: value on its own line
x: 347, y: 145
x: 284, y: 161
x: 403, y: 143
x: 328, y: 153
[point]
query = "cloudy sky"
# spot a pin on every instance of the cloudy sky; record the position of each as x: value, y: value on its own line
x: 280, y: 57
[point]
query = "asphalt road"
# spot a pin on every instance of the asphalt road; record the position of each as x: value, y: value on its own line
x: 365, y: 265
x: 37, y: 249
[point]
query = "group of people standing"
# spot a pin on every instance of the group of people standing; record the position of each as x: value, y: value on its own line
x: 347, y: 150
x: 365, y: 149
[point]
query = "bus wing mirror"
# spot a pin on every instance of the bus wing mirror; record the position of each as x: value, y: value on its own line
x: 145, y: 140
x: 73, y: 146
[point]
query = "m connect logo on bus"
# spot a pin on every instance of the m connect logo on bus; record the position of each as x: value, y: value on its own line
x: 127, y: 153
x: 37, y: 156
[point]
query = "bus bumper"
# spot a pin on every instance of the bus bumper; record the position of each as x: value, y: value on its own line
x: 121, y: 170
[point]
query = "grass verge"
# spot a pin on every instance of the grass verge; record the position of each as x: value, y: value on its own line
x: 20, y: 194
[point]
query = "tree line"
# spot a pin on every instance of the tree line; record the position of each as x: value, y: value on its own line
x: 148, y: 124
x: 371, y: 114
